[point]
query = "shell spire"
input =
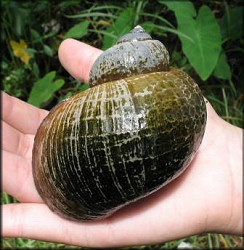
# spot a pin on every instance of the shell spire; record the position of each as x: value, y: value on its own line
x: 137, y: 34
x: 134, y: 53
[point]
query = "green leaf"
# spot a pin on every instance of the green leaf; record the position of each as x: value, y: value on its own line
x: 122, y: 25
x: 35, y: 35
x: 35, y: 69
x: 44, y: 89
x: 203, y: 53
x: 203, y: 47
x: 184, y: 12
x: 31, y: 51
x: 201, y: 42
x: 222, y: 69
x: 77, y: 31
x: 65, y: 4
x: 84, y: 87
x: 231, y: 23
x: 181, y: 8
x: 47, y: 50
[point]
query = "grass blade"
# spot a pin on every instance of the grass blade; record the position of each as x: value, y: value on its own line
x: 103, y: 32
x: 106, y: 7
x: 93, y: 14
x: 210, y: 243
x: 217, y: 241
x: 174, y: 31
x: 225, y: 102
x: 159, y: 18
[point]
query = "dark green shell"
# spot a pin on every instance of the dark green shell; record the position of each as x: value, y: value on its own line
x: 117, y: 142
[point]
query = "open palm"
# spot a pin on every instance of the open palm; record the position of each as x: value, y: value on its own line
x: 206, y: 197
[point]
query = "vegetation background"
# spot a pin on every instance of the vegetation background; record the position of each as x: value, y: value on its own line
x: 204, y: 38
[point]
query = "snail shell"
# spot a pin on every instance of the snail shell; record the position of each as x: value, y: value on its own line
x: 133, y: 132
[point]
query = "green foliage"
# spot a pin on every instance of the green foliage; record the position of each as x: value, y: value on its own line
x: 203, y: 47
x: 232, y: 23
x: 204, y: 38
x: 77, y: 31
x: 122, y: 25
x: 182, y: 9
x: 222, y: 69
x: 47, y: 50
x: 44, y: 89
x: 13, y: 81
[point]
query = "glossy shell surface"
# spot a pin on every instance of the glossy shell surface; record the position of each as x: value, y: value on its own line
x: 117, y: 142
x: 134, y: 53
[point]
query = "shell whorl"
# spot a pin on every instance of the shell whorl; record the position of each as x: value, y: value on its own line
x: 134, y: 53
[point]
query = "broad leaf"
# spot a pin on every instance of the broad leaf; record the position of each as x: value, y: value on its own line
x: 204, y: 52
x: 77, y: 31
x: 121, y: 26
x: 181, y: 8
x: 44, y: 89
x: 203, y: 46
x: 231, y: 23
x: 222, y: 69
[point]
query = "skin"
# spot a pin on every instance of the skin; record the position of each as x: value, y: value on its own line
x: 207, y: 197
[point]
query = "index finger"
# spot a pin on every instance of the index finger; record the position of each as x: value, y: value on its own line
x: 77, y: 58
x: 21, y: 115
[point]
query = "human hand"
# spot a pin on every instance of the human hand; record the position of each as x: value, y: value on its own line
x: 207, y: 197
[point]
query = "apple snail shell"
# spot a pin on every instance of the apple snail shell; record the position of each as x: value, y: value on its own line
x: 136, y: 129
